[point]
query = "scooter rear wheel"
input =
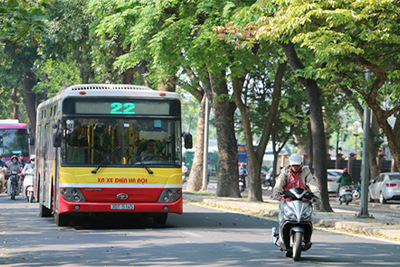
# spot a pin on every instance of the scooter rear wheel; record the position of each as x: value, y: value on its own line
x: 30, y: 197
x: 298, y: 237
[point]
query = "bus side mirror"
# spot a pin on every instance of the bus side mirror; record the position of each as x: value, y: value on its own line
x: 31, y: 141
x: 188, y: 139
x: 1, y: 140
x: 57, y: 139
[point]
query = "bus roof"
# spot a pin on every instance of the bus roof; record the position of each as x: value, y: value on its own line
x: 110, y: 90
x: 12, y: 124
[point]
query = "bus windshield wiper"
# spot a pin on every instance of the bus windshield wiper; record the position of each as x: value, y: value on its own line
x: 105, y: 158
x: 145, y: 166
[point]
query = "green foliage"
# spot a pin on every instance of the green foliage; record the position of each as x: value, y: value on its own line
x: 56, y: 75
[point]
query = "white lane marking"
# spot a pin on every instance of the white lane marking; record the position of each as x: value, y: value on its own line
x: 192, y: 234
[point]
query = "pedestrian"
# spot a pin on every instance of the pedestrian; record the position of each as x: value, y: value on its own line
x: 344, y: 180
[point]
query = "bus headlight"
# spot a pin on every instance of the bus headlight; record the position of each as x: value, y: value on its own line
x: 170, y: 195
x: 72, y: 194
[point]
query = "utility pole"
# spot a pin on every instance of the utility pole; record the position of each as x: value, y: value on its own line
x: 205, y: 153
x: 364, y: 163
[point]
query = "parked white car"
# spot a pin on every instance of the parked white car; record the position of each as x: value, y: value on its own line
x: 333, y: 176
x: 386, y: 186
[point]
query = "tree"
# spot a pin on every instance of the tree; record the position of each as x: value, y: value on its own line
x: 176, y: 35
x: 272, y: 26
x: 20, y: 34
x: 348, y: 38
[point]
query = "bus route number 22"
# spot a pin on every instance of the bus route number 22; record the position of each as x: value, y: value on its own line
x: 122, y: 108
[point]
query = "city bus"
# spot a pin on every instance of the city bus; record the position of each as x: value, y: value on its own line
x: 90, y: 142
x: 14, y: 139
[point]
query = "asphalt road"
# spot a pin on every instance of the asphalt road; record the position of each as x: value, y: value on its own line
x: 199, y: 237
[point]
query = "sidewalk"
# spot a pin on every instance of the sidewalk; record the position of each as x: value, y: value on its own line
x: 340, y: 219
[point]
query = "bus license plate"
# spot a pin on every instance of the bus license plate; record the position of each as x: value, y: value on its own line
x: 122, y: 206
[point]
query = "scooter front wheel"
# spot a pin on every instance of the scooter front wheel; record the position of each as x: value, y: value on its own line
x: 13, y: 189
x: 30, y: 197
x: 298, y: 237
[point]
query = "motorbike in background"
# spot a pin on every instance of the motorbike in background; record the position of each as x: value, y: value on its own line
x: 356, y: 192
x: 295, y: 223
x: 13, y: 185
x: 28, y: 185
x: 242, y: 187
x: 345, y: 194
x: 266, y: 184
x: 266, y: 180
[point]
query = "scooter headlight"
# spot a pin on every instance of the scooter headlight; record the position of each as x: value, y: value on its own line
x: 289, y: 214
x: 308, y: 213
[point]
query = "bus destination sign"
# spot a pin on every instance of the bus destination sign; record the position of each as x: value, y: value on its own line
x: 122, y: 108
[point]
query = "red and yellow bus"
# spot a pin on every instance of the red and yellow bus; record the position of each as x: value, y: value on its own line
x: 91, y: 142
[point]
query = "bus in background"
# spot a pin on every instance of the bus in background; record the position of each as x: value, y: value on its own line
x: 14, y: 139
x: 92, y: 152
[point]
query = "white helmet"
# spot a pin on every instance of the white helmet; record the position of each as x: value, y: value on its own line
x: 295, y: 159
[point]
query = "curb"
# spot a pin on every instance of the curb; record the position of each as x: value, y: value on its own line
x: 340, y: 220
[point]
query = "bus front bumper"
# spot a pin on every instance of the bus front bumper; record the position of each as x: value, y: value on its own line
x: 67, y: 207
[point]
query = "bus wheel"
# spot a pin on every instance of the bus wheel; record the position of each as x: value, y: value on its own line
x: 61, y: 219
x: 43, y: 211
x: 161, y: 219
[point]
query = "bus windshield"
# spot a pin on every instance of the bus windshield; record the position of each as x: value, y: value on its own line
x: 121, y: 142
x: 14, y: 142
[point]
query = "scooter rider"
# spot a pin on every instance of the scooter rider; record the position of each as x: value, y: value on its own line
x: 344, y: 180
x: 243, y: 173
x: 14, y: 166
x: 2, y: 163
x: 296, y: 175
x: 29, y: 166
x: 28, y: 169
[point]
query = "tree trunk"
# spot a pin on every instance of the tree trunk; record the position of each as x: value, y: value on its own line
x: 317, y: 126
x: 255, y: 158
x: 127, y: 76
x: 15, y: 100
x: 196, y: 172
x: 227, y: 173
x: 169, y: 85
x: 30, y: 99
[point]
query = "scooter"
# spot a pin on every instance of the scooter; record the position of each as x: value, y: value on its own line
x: 28, y: 186
x: 357, y: 192
x: 242, y: 187
x: 266, y: 184
x: 345, y: 194
x: 13, y: 185
x: 295, y: 223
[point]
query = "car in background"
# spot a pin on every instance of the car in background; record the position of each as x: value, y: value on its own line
x: 333, y: 176
x: 386, y: 186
